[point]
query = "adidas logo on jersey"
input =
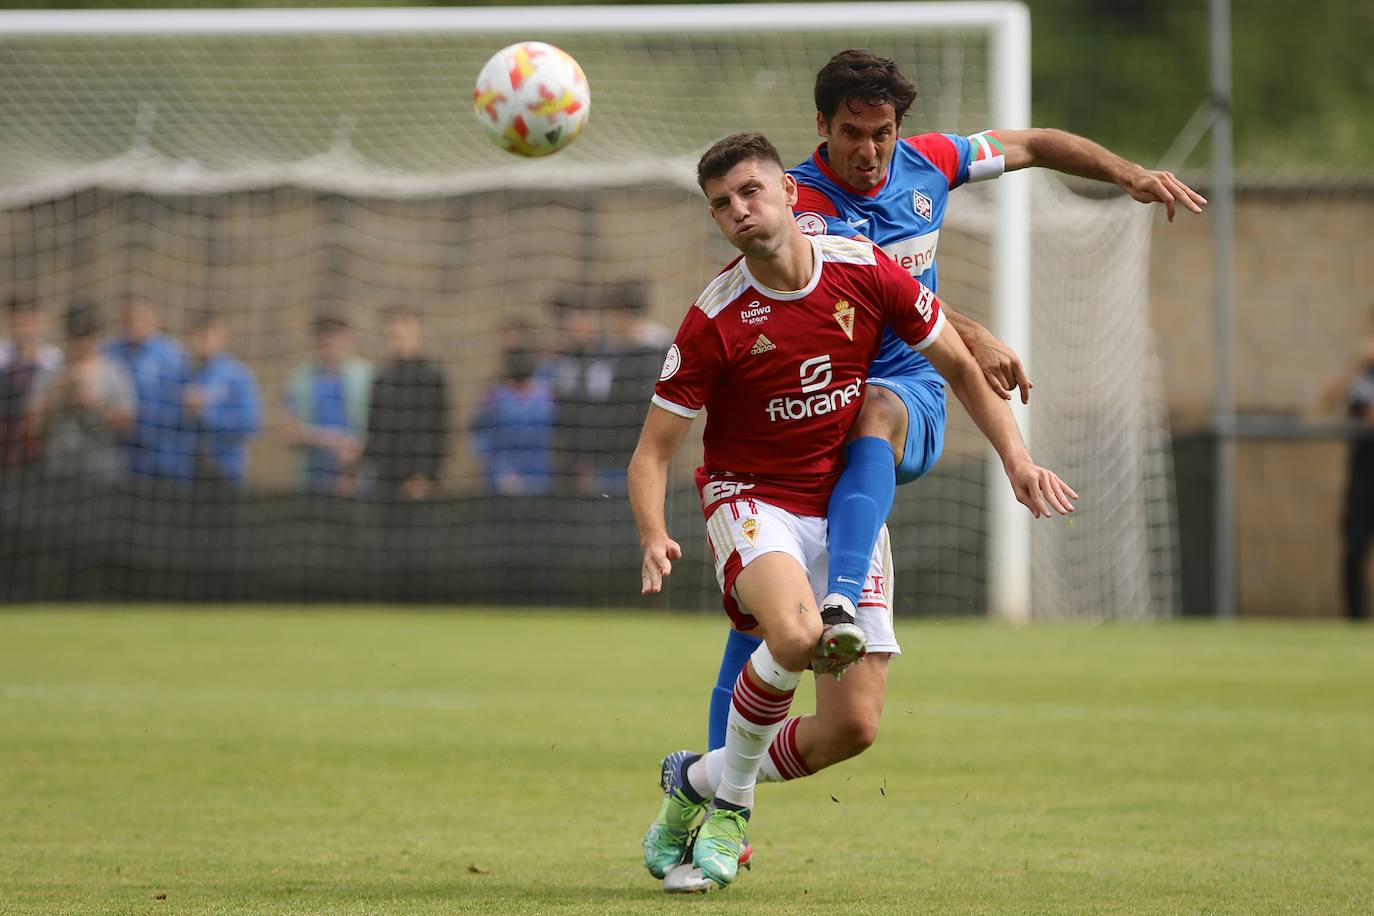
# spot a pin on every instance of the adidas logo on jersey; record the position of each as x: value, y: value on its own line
x: 762, y: 345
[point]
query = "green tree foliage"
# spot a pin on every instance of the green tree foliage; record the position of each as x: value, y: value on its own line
x: 1130, y: 73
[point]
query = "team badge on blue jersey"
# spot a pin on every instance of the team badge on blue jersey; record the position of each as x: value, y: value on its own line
x: 922, y: 205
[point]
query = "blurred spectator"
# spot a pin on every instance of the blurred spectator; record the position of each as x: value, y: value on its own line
x: 1353, y: 390
x: 408, y: 418
x: 86, y: 408
x: 24, y: 356
x: 512, y: 432
x: 641, y: 345
x: 221, y: 403
x: 326, y: 410
x: 517, y: 333
x: 581, y: 372
x: 158, y: 444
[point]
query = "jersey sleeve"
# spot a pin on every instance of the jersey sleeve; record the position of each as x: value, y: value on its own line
x: 691, y: 367
x: 962, y: 159
x: 816, y: 214
x: 947, y: 152
x: 909, y: 308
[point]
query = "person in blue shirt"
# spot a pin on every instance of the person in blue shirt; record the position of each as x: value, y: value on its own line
x: 513, y: 430
x: 158, y: 444
x: 221, y: 404
x: 866, y: 180
x: 326, y: 410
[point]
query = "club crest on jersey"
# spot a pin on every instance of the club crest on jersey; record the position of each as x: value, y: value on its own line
x: 922, y: 205
x: 844, y: 314
x: 750, y: 529
x: 762, y: 345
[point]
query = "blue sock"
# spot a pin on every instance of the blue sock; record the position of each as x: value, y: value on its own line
x: 859, y: 505
x: 738, y: 648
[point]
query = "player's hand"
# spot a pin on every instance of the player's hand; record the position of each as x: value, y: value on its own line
x: 659, y: 555
x: 1039, y: 488
x: 1151, y: 186
x: 1001, y: 367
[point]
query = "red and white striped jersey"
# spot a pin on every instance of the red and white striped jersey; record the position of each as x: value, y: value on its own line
x: 781, y: 374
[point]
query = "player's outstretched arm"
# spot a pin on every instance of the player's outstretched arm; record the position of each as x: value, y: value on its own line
x: 659, y: 440
x: 1038, y: 489
x: 1000, y: 365
x: 1075, y: 155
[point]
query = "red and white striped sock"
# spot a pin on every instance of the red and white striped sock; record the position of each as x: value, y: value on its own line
x: 755, y: 717
x: 784, y: 762
x: 784, y: 758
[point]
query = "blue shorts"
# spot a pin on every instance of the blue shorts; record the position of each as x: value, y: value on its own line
x: 924, y: 398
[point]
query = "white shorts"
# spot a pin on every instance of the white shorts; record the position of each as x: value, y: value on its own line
x: 741, y: 531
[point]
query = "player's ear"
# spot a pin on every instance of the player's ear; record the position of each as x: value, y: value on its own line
x: 822, y: 129
x: 789, y: 189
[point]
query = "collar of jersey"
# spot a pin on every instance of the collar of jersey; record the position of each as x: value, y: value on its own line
x: 823, y: 164
x: 802, y: 293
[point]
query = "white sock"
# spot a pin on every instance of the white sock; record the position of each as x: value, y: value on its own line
x: 755, y: 717
x: 704, y: 773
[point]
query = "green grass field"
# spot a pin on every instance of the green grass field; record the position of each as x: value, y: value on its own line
x: 387, y: 762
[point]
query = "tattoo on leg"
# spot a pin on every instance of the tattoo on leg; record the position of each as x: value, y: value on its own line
x: 801, y: 608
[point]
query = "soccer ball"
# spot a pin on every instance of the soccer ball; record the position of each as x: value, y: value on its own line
x: 532, y: 99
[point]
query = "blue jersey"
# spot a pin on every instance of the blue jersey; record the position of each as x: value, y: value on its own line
x: 902, y: 215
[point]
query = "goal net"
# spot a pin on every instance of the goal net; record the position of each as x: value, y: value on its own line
x: 316, y: 185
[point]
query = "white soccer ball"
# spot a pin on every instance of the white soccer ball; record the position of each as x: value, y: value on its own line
x: 532, y: 99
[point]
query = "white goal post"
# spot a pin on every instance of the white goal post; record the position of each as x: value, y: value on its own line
x: 158, y: 133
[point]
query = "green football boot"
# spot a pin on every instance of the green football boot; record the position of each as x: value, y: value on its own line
x: 720, y: 841
x: 670, y: 835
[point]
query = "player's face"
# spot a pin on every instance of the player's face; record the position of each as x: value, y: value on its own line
x: 752, y: 205
x: 861, y: 139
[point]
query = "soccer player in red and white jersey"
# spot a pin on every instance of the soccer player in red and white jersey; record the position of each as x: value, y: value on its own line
x: 776, y: 350
x: 867, y: 180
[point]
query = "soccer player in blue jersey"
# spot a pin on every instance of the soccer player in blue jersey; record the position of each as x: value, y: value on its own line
x: 866, y: 180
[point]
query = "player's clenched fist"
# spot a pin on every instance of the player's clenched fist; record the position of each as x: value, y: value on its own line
x: 1039, y: 488
x: 659, y: 555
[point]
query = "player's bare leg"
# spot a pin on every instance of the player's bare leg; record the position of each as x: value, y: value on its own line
x: 774, y: 588
x: 859, y: 506
x: 848, y: 712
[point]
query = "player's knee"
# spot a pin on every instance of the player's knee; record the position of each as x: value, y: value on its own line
x: 856, y: 733
x: 882, y: 416
x: 794, y: 645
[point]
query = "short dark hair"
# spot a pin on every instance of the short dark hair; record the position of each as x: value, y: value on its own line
x: 631, y: 297
x: 730, y: 152
x: 519, y: 364
x: 328, y: 324
x: 17, y: 304
x: 401, y: 310
x: 82, y: 320
x: 202, y: 319
x: 862, y: 75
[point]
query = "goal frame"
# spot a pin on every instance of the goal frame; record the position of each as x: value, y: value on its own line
x: 1007, y: 25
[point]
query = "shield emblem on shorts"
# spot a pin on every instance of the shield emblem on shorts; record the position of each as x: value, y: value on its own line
x: 922, y: 205
x: 750, y: 529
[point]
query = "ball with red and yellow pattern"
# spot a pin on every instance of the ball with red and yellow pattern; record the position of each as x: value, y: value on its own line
x: 532, y: 99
